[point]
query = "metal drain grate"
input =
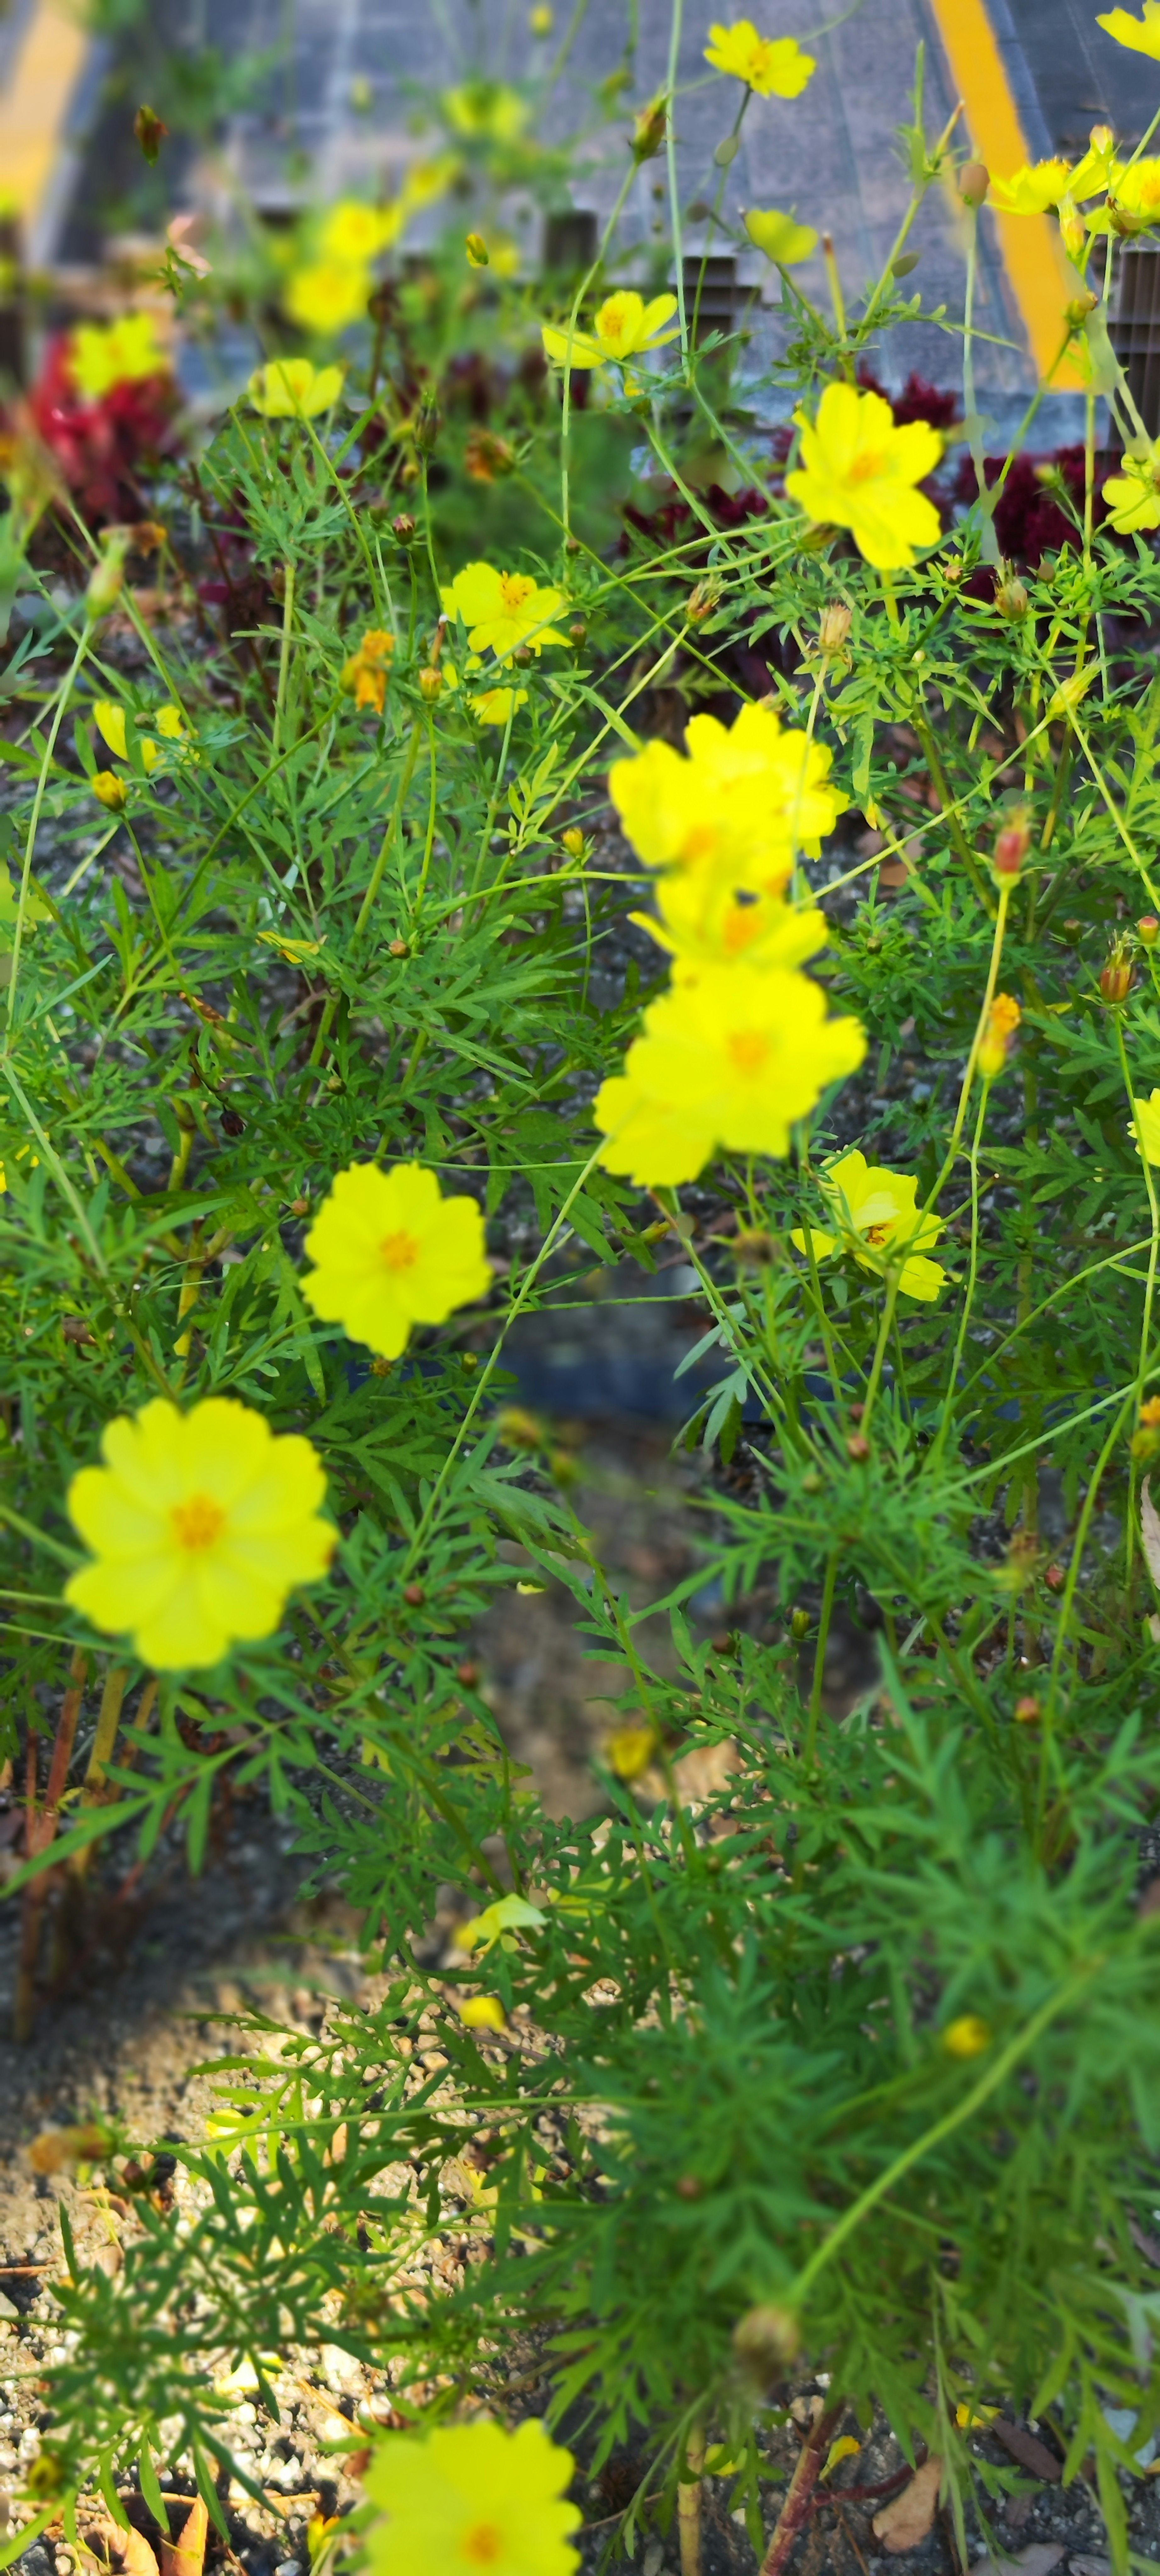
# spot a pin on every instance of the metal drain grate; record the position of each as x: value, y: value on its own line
x: 1135, y: 331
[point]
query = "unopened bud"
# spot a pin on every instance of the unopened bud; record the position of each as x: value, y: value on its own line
x: 431, y: 685
x: 1079, y: 308
x: 648, y: 132
x: 1027, y: 1709
x: 800, y: 1624
x: 150, y: 130
x: 404, y: 528
x: 1055, y: 1578
x: 1011, y: 847
x: 398, y: 948
x: 106, y: 581
x: 1148, y: 929
x: 974, y: 181
x: 702, y: 600
x: 478, y: 254
x: 1073, y: 231
x: 1117, y: 977
x: 834, y: 626
x: 110, y: 789
x: 573, y: 841
x: 858, y: 1448
x: 577, y: 632
x: 765, y: 2339
x: 425, y: 426
x: 1011, y: 598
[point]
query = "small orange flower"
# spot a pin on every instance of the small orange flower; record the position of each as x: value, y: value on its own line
x: 995, y: 1045
x: 365, y: 675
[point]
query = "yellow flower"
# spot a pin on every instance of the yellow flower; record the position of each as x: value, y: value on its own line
x: 877, y: 1213
x: 746, y: 799
x: 294, y: 389
x: 486, y: 110
x: 1133, y: 497
x: 774, y: 66
x: 703, y: 922
x: 472, y: 2497
x: 625, y: 327
x: 729, y: 1061
x: 1032, y: 189
x: 541, y: 19
x: 355, y: 233
x: 494, y: 706
x: 631, y: 1750
x: 1139, y: 35
x: 975, y: 2419
x: 110, y: 722
x: 859, y: 472
x: 104, y: 354
x: 968, y: 2036
x: 365, y: 675
x: 327, y: 295
x: 995, y: 1044
x: 502, y: 610
x: 1146, y: 1126
x: 781, y: 238
x: 199, y: 1524
x: 483, y: 2012
x: 1133, y: 197
x: 392, y: 1252
x: 110, y: 789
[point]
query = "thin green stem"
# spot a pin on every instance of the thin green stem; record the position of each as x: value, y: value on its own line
x: 284, y: 655
x: 63, y: 695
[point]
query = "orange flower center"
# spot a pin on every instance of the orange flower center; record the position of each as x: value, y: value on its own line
x: 699, y: 843
x: 866, y: 469
x: 516, y: 588
x: 482, y: 2544
x: 749, y: 1049
x: 400, y: 1251
x: 877, y: 1235
x: 198, y: 1522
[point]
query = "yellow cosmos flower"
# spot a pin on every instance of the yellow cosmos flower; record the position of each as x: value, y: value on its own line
x: 354, y: 233
x: 327, y: 295
x: 294, y: 389
x: 472, y: 2497
x: 859, y: 472
x: 774, y: 66
x: 199, y: 1524
x: 392, y: 1252
x: 1139, y: 35
x: 109, y: 719
x: 1146, y: 1126
x: 781, y: 237
x: 110, y: 790
x: 1032, y: 189
x: 365, y: 674
x: 703, y: 922
x: 877, y: 1214
x: 1133, y: 197
x: 104, y: 354
x: 625, y: 327
x: 1133, y: 497
x: 483, y: 2012
x: 486, y: 111
x: 968, y: 2036
x: 730, y: 1060
x: 494, y: 706
x: 503, y: 610
x: 746, y: 799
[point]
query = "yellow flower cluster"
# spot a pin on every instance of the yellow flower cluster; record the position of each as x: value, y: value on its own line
x: 859, y: 471
x: 329, y: 291
x: 108, y: 784
x: 741, y: 1045
x: 200, y: 1524
x: 366, y: 672
x: 502, y: 613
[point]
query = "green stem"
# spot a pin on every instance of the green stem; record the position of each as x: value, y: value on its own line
x: 824, y: 1617
x: 284, y: 655
x: 62, y: 698
x: 1149, y: 1291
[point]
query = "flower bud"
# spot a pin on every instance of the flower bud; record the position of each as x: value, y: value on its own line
x: 702, y: 600
x: 519, y: 1429
x: 995, y: 1044
x: 398, y: 948
x: 974, y: 181
x: 404, y: 528
x: 577, y: 632
x: 1117, y: 976
x: 478, y: 254
x: 833, y: 628
x: 1079, y: 308
x: 106, y: 580
x: 1027, y: 1709
x: 765, y: 2339
x: 1073, y: 231
x: 648, y: 132
x: 425, y: 425
x: 111, y: 790
x: 858, y: 1448
x: 1011, y: 846
x: 431, y: 685
x: 967, y: 2037
x: 573, y: 841
x: 150, y: 129
x: 1011, y: 598
x: 1148, y: 930
x: 754, y: 1248
x: 800, y: 1624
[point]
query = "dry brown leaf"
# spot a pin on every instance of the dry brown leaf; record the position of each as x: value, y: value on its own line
x: 1150, y: 1531
x: 125, y: 2551
x: 908, y: 2517
x: 185, y: 2556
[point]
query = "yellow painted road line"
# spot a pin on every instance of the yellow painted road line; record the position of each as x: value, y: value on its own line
x: 1032, y: 251
x: 34, y: 106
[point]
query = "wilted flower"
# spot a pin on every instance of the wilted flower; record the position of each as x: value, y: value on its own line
x: 859, y: 472
x: 774, y: 66
x: 177, y: 234
x: 365, y: 674
x: 487, y: 457
x: 650, y: 128
x: 294, y: 388
x: 995, y: 1044
x: 199, y: 1525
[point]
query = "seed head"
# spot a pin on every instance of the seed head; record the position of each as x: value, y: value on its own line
x: 974, y: 181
